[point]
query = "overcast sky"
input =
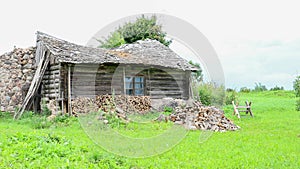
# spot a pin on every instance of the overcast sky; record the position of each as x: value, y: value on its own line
x: 256, y: 41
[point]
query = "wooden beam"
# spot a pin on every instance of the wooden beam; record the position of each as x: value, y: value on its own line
x: 124, y: 81
x: 69, y: 90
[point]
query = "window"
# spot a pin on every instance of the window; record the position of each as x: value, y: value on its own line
x: 134, y: 85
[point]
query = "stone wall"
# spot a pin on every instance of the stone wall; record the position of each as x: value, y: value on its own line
x: 16, y: 72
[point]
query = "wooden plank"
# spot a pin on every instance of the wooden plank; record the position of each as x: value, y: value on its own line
x: 42, y: 66
x: 52, y: 96
x: 235, y: 110
x: 57, y: 76
x: 166, y: 92
x: 54, y: 67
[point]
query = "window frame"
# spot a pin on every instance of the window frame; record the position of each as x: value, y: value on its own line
x: 134, y: 84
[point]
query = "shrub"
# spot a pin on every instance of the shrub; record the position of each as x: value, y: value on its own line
x: 210, y: 93
x: 5, y: 115
x: 231, y: 96
x: 229, y: 90
x: 297, y: 91
x: 298, y: 105
x: 168, y: 110
x: 205, y: 95
x: 45, y: 110
x: 276, y: 88
x: 40, y: 123
x: 297, y: 86
x: 245, y: 90
x: 259, y: 87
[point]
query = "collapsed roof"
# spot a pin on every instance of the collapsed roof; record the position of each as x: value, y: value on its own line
x: 147, y: 52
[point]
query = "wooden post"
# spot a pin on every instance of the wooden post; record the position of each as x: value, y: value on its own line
x: 191, y: 94
x: 62, y: 103
x: 69, y: 90
x: 235, y: 110
x: 124, y: 80
x: 248, y: 105
x: 149, y: 82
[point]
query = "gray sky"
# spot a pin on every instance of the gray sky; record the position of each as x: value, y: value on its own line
x: 256, y: 41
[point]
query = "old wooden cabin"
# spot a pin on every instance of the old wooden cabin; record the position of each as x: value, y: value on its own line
x: 66, y: 71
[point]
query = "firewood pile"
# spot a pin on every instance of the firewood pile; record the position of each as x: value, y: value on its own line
x: 193, y: 116
x: 133, y: 104
x: 108, y: 103
x: 202, y: 117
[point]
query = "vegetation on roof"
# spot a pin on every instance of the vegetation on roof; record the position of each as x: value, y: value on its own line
x: 143, y: 28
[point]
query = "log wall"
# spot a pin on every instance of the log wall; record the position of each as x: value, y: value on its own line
x: 52, y: 79
x: 90, y: 80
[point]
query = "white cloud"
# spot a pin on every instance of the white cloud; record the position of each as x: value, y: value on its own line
x: 253, y: 38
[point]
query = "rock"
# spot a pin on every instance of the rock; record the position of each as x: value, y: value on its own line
x: 29, y: 78
x: 105, y: 121
x: 178, y: 122
x: 26, y: 56
x: 27, y: 66
x: 7, y: 98
x: 192, y: 128
x: 24, y: 62
x: 2, y: 84
x: 16, y: 89
x: 26, y: 71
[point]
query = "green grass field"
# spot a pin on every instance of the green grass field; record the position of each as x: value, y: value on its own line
x: 269, y: 140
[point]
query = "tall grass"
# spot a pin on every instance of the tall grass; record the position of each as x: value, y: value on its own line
x: 268, y: 140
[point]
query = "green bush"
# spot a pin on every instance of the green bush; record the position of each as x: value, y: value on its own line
x: 40, y: 123
x: 245, y: 90
x: 231, y: 96
x: 296, y: 86
x: 45, y: 109
x: 142, y: 28
x: 298, y: 105
x: 229, y: 90
x: 210, y: 93
x: 5, y: 115
x: 276, y: 88
x: 259, y: 87
x: 168, y: 110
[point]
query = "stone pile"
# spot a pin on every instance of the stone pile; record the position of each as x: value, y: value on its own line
x: 16, y: 73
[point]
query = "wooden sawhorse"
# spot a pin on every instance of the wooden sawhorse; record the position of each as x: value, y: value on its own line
x: 237, y: 109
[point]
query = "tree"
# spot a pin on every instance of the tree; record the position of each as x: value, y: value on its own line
x: 259, y: 87
x: 115, y: 39
x: 143, y: 28
x: 197, y: 75
x: 297, y: 92
x: 297, y: 86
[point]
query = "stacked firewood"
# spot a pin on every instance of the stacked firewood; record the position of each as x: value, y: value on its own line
x: 133, y: 104
x: 108, y: 103
x: 202, y: 117
x: 83, y: 105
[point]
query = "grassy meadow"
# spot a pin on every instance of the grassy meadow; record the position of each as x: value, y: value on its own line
x: 269, y: 140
